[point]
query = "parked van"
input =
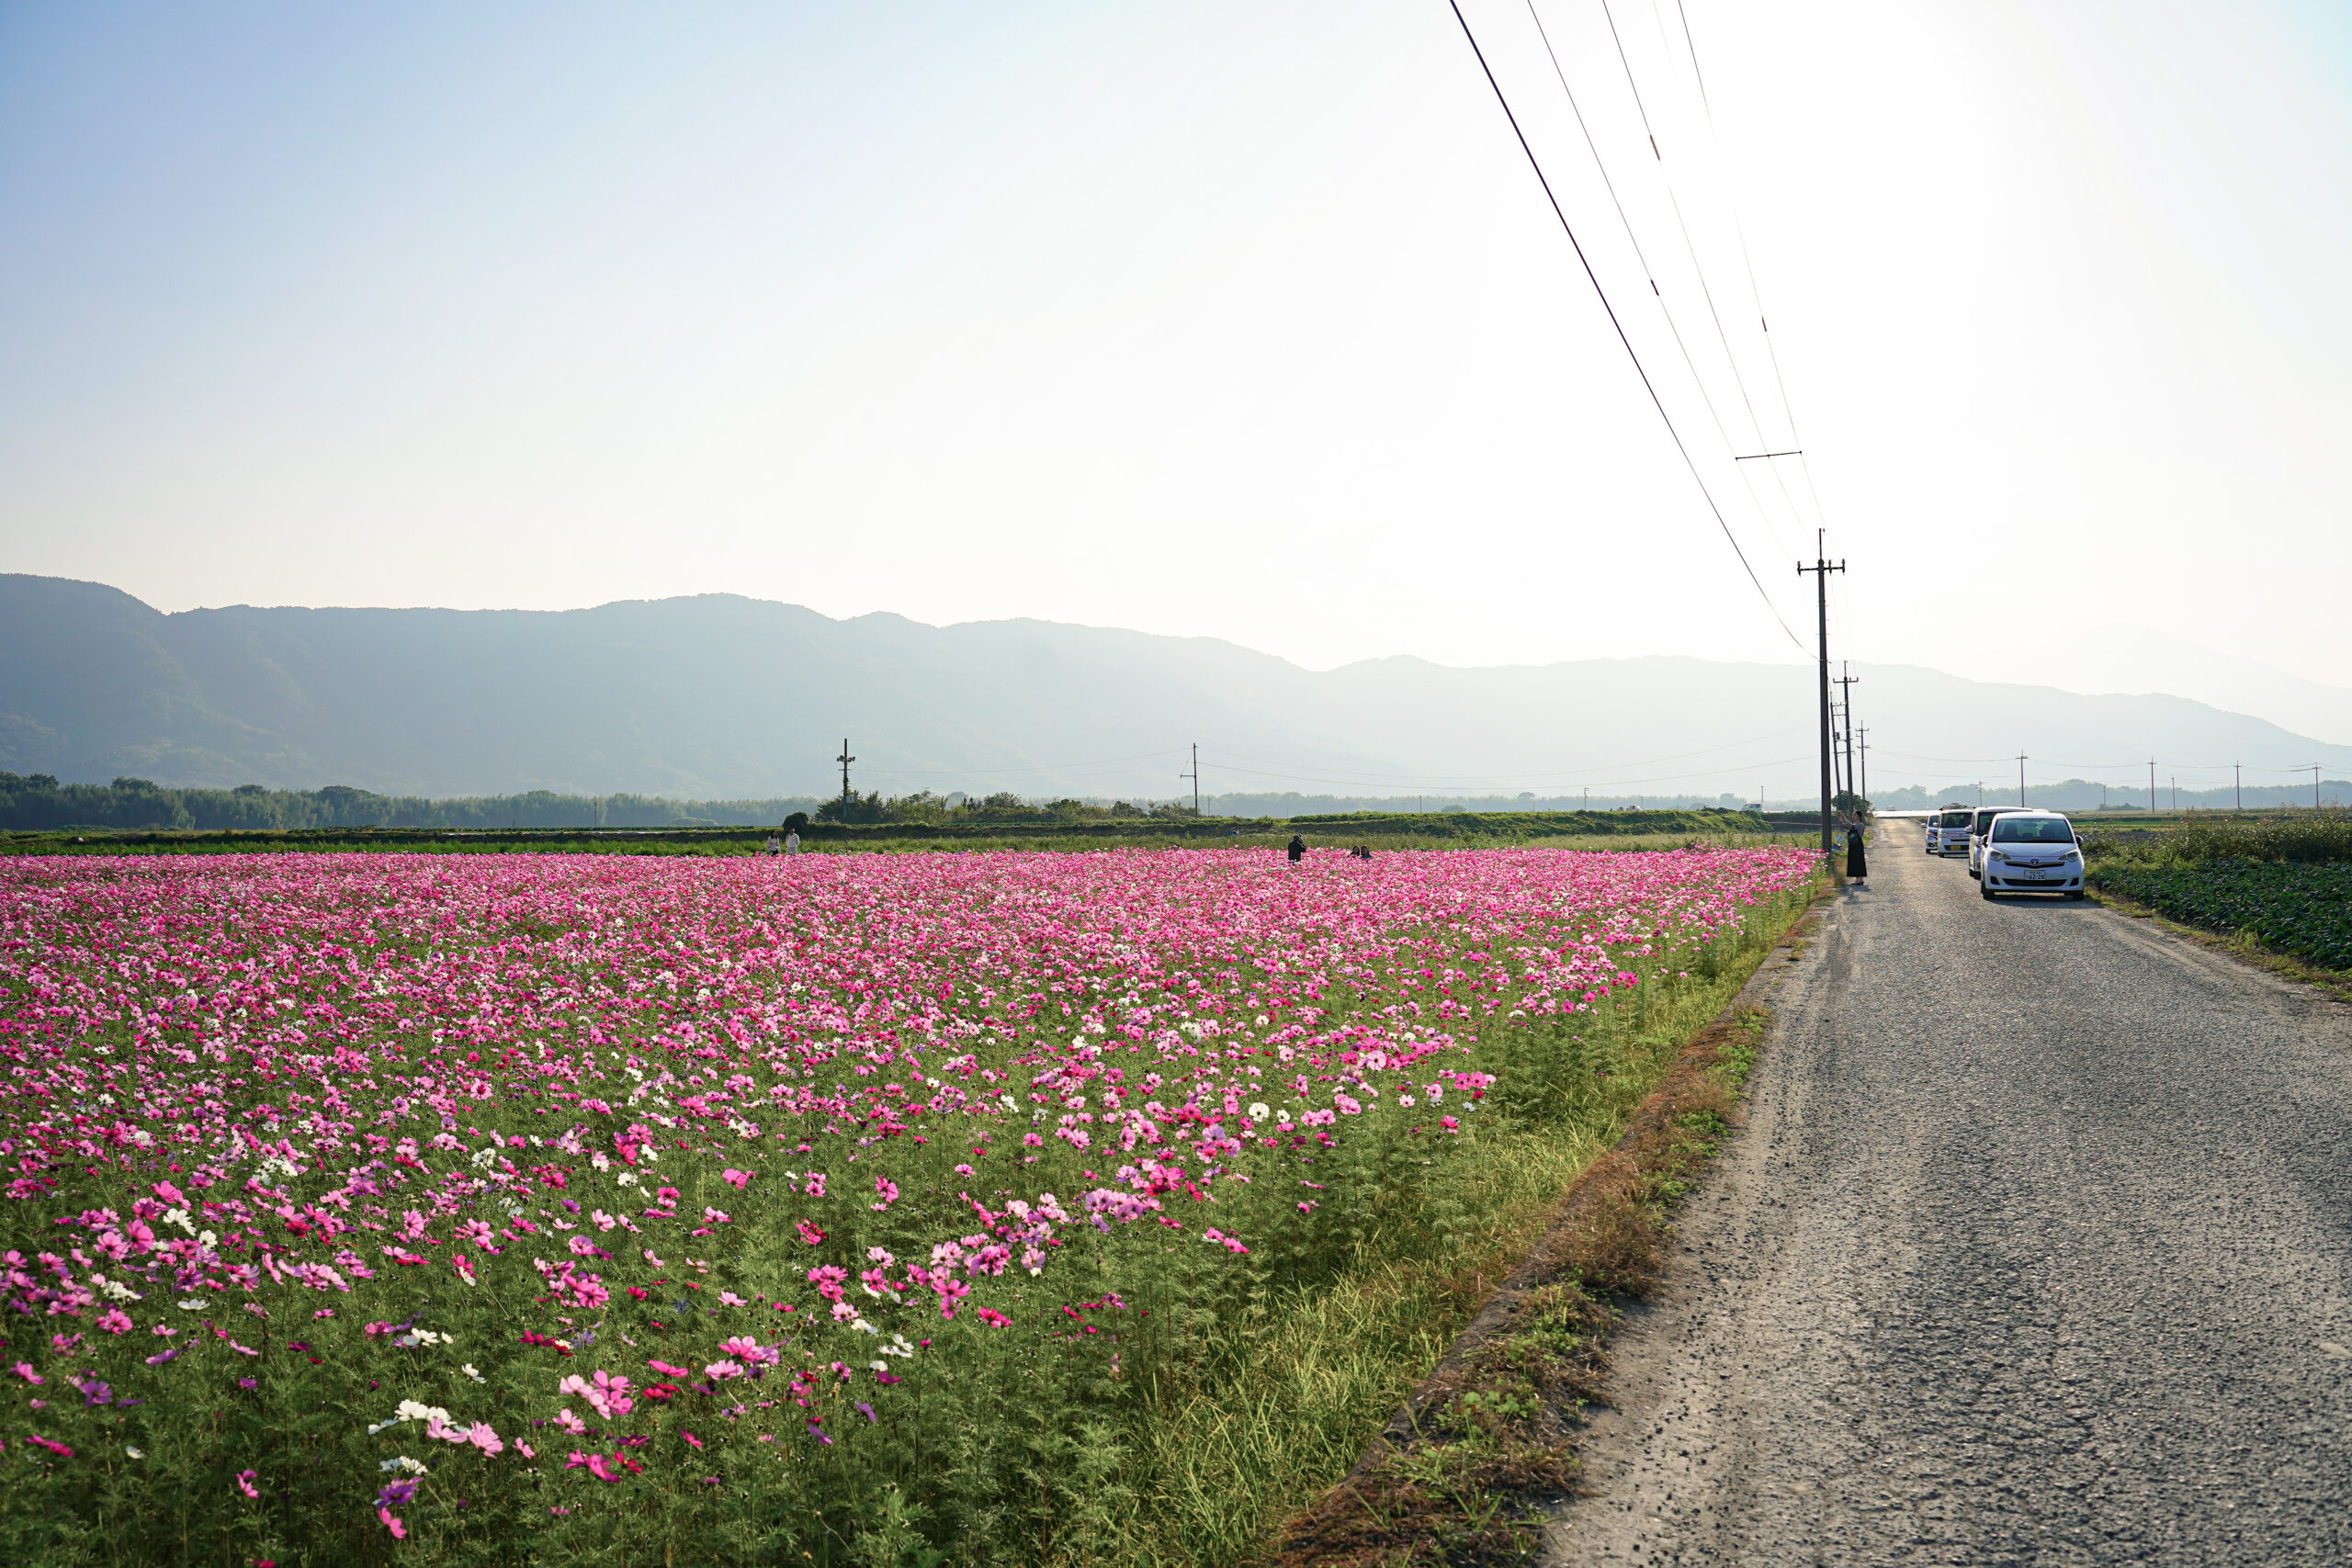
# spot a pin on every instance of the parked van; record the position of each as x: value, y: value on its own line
x: 1948, y: 831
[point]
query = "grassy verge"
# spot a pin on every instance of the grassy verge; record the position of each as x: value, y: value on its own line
x: 2244, y: 945
x: 1484, y: 1444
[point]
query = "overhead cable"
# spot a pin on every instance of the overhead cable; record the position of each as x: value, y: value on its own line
x: 1557, y: 211
x: 1650, y: 274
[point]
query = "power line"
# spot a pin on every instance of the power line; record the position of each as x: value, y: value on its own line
x: 1690, y: 249
x: 1566, y: 227
x: 1650, y: 274
x: 1763, y: 321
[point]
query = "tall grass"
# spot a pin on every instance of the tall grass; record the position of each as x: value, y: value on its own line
x: 2307, y: 835
x: 1301, y: 1379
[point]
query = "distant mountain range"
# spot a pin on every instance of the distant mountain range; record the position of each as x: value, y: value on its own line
x: 720, y: 696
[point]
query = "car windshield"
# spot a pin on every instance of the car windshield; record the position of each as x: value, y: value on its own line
x: 1954, y: 819
x: 2033, y: 830
x: 1984, y: 820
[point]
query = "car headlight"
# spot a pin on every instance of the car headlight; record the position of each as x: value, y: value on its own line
x: 1996, y: 854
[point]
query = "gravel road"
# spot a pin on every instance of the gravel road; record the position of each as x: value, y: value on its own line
x: 2037, y: 1249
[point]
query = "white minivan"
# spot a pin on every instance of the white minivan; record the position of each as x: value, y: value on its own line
x: 1980, y: 822
x: 2030, y: 852
x: 1948, y: 831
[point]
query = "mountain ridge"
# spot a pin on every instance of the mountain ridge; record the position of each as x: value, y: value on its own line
x: 721, y: 695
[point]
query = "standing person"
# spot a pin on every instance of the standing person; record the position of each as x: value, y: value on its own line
x: 1297, y: 849
x: 1857, y: 867
x: 774, y: 848
x: 792, y: 842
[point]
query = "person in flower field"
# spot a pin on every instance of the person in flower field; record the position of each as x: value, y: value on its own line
x: 1297, y: 849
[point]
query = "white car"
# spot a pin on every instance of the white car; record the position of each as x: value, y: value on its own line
x: 2031, y: 852
x: 1980, y: 822
x: 1948, y: 831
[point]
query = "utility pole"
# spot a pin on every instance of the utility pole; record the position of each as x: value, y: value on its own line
x: 1847, y: 681
x: 2021, y: 778
x: 2314, y: 787
x: 844, y: 759
x: 2151, y: 784
x: 1836, y: 778
x: 1864, y: 791
x: 1821, y: 569
x: 1196, y: 776
x: 2238, y: 769
x: 2175, y: 792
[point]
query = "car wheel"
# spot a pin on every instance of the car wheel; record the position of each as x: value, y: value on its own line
x: 2076, y: 894
x: 1984, y: 889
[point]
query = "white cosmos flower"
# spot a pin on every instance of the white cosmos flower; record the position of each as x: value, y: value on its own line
x: 1260, y: 1110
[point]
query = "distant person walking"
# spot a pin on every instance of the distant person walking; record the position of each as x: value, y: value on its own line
x: 792, y: 842
x: 1297, y: 849
x: 1857, y: 867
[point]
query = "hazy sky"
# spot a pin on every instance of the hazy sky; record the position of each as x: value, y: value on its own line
x: 1245, y: 319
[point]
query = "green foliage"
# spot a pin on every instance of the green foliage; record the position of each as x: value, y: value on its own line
x: 2300, y: 834
x: 37, y: 802
x: 2303, y: 907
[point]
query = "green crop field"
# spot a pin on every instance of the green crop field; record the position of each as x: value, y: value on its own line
x: 2302, y: 910
x: 2284, y: 877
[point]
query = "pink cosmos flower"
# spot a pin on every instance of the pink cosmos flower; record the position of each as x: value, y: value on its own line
x: 736, y: 1178
x: 115, y: 1321
x: 25, y: 1370
x: 246, y: 1483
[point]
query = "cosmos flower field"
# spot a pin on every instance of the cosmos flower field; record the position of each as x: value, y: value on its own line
x: 506, y: 1209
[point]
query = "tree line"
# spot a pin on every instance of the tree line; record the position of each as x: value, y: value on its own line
x: 37, y: 802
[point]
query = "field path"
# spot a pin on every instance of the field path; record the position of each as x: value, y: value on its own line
x: 2037, y: 1249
